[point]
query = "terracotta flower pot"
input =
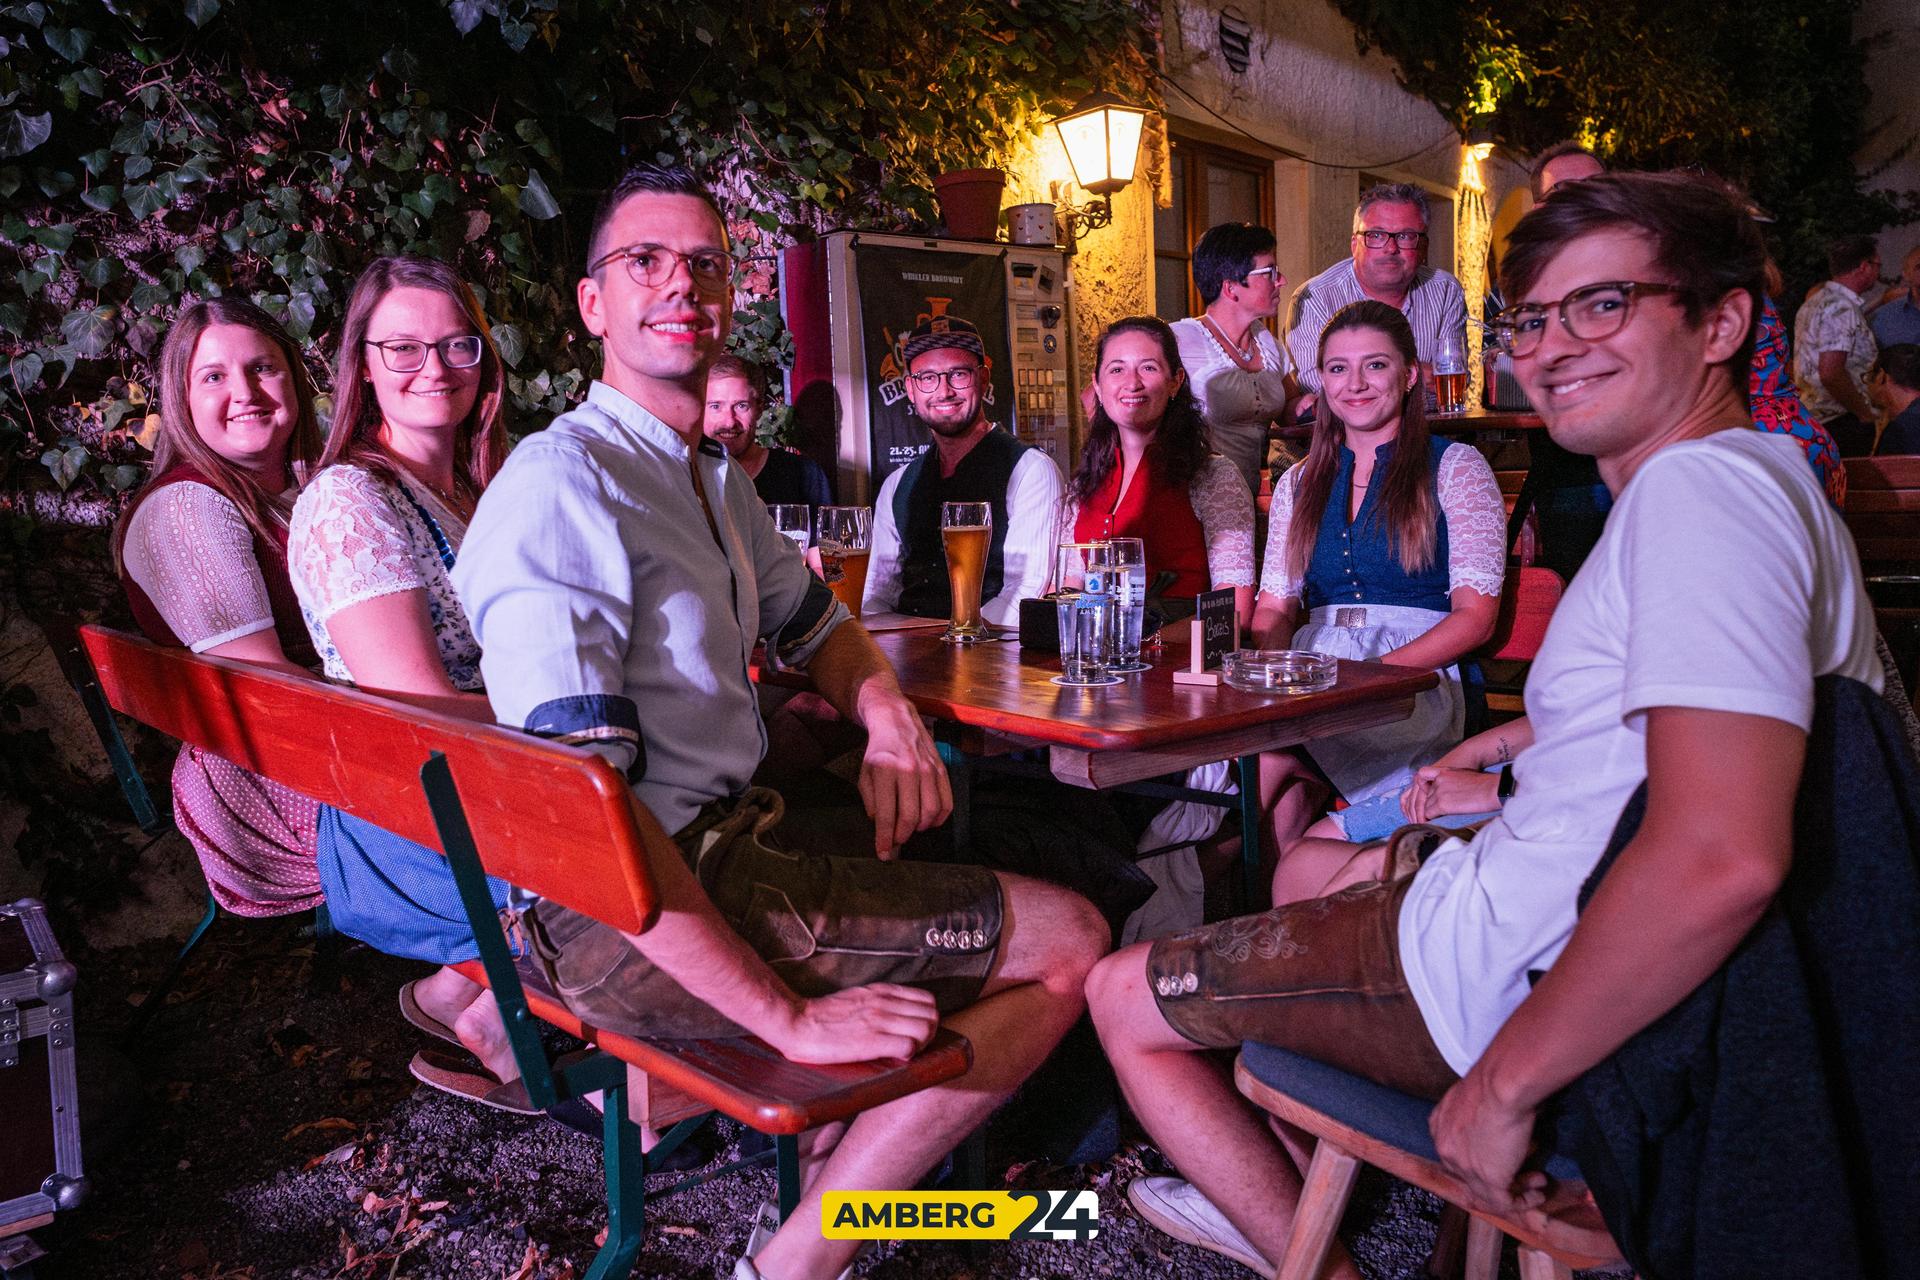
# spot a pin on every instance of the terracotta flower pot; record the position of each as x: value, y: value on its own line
x: 970, y: 202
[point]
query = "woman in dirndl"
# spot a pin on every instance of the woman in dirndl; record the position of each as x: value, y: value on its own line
x: 1384, y: 544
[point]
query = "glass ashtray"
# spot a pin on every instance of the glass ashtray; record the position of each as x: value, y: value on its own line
x: 1279, y: 670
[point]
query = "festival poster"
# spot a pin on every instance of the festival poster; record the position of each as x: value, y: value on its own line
x: 901, y: 288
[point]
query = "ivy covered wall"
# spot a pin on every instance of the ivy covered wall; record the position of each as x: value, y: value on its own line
x: 157, y: 150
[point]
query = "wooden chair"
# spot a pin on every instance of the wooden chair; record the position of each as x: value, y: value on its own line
x: 1527, y: 601
x: 1359, y: 1122
x: 1883, y: 515
x: 555, y: 820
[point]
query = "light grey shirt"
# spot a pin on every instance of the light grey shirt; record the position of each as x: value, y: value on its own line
x: 608, y: 614
x: 1435, y: 306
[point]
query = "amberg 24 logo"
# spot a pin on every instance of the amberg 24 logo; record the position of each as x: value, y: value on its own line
x: 962, y: 1215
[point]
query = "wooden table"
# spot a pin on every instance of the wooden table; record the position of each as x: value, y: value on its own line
x: 1479, y: 418
x: 992, y: 698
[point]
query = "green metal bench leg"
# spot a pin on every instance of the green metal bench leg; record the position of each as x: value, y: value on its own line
x: 626, y: 1191
x: 960, y: 777
x: 786, y: 1163
x: 1249, y: 832
x: 158, y: 995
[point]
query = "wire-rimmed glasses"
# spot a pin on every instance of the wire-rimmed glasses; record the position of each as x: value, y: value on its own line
x: 652, y: 265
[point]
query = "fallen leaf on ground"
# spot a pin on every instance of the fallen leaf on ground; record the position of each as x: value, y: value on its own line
x: 329, y: 1124
x: 529, y: 1265
x: 682, y: 1231
x: 339, y: 1155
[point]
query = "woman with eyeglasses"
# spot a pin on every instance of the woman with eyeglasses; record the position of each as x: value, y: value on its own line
x: 1384, y: 545
x: 1149, y: 471
x: 418, y: 431
x: 1240, y: 374
x: 202, y: 556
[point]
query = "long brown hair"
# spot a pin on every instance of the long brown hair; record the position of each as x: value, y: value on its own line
x: 1180, y: 445
x: 263, y: 504
x: 480, y: 446
x: 1408, y: 501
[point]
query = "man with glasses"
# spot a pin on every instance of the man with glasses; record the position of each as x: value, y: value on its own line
x: 1683, y: 655
x: 618, y: 573
x: 1834, y: 346
x: 1388, y: 265
x: 971, y: 460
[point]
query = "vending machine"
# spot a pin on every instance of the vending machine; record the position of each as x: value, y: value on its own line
x: 851, y: 298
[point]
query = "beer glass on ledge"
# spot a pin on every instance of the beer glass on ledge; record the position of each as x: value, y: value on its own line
x: 844, y: 538
x: 966, y: 528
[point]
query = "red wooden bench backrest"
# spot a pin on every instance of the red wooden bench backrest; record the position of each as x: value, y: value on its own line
x: 555, y: 820
x: 1527, y: 603
x: 1883, y: 510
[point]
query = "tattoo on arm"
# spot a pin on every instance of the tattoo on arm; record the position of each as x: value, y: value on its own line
x: 1501, y: 751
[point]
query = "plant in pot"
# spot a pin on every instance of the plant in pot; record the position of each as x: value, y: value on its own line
x: 969, y: 196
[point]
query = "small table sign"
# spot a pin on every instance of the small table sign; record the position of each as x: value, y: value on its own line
x: 1213, y: 637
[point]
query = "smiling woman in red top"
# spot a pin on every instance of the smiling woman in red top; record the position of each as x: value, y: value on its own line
x: 1149, y: 471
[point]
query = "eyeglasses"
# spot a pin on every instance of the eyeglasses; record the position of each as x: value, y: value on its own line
x: 409, y: 355
x: 1590, y: 313
x: 1269, y: 272
x: 1377, y: 239
x: 958, y: 379
x: 652, y: 265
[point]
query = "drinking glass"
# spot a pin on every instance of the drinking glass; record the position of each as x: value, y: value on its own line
x: 1123, y: 566
x: 790, y: 518
x: 966, y: 528
x: 1450, y: 374
x: 1086, y: 638
x: 844, y: 536
x: 1075, y: 564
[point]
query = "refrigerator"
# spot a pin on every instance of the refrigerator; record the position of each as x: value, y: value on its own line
x: 849, y: 300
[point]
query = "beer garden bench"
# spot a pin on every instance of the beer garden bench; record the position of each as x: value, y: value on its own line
x: 555, y: 820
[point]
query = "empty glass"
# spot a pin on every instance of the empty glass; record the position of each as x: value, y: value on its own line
x: 1073, y: 562
x: 966, y: 530
x: 791, y: 519
x: 1122, y: 563
x: 844, y: 536
x: 1086, y: 638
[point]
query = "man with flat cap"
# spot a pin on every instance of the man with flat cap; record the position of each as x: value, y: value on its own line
x: 971, y: 460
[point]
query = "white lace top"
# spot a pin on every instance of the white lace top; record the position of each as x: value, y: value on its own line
x: 1238, y: 403
x: 1476, y: 526
x: 356, y: 537
x: 1224, y: 508
x: 192, y: 553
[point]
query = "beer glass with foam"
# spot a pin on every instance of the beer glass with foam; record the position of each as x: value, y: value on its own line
x: 844, y: 538
x: 966, y: 528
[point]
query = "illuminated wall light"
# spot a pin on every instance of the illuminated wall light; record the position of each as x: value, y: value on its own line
x: 1472, y: 240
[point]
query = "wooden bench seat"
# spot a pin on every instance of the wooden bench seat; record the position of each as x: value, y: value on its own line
x: 555, y: 820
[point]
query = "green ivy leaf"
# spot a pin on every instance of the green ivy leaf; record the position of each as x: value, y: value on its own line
x: 65, y: 464
x: 190, y: 257
x: 57, y: 238
x: 136, y: 167
x: 100, y: 198
x: 101, y: 272
x: 70, y: 43
x: 148, y: 297
x: 123, y: 476
x: 535, y: 200
x: 201, y: 12
x: 21, y: 133
x: 26, y: 369
x: 300, y: 315
x: 512, y: 344
x: 144, y: 201
x: 401, y: 62
x: 466, y: 14
x: 90, y: 331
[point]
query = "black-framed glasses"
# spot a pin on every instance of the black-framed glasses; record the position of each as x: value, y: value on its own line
x: 959, y: 379
x: 1589, y: 313
x: 409, y: 355
x: 652, y: 265
x: 1374, y: 238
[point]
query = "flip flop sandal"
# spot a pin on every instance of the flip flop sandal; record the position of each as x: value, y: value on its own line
x: 450, y: 1075
x: 410, y: 1010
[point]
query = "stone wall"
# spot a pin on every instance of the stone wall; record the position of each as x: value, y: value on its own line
x: 1890, y: 156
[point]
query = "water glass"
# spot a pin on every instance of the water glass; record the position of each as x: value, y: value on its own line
x: 792, y: 520
x: 1086, y: 638
x: 1122, y: 563
x: 966, y: 531
x: 844, y: 537
x: 1076, y: 566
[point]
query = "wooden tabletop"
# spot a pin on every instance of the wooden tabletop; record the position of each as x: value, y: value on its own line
x: 1479, y: 418
x: 1140, y: 728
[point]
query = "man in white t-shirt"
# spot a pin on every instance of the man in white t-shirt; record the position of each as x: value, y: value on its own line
x: 1683, y: 655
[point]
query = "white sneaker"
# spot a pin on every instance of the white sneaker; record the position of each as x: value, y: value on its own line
x: 766, y: 1222
x: 1176, y: 1207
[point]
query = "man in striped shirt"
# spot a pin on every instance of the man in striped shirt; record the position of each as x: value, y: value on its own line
x: 1388, y: 265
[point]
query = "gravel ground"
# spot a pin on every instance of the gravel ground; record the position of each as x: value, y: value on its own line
x: 267, y: 1127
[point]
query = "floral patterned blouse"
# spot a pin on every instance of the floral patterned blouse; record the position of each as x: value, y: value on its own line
x: 356, y: 537
x: 1776, y: 405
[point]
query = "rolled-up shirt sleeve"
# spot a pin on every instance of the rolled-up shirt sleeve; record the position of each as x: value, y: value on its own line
x: 547, y: 582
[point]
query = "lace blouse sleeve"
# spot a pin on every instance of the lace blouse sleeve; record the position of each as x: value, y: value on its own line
x: 191, y: 551
x: 1273, y: 571
x: 1476, y: 521
x: 1225, y: 507
x: 348, y: 543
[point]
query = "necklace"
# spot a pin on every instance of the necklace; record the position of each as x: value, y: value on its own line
x: 1245, y: 356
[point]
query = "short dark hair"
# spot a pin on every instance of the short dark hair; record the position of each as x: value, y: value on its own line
x: 1565, y: 147
x: 1226, y: 253
x: 1848, y: 252
x: 1703, y: 240
x: 732, y: 366
x: 1392, y: 193
x: 1901, y: 363
x: 646, y: 177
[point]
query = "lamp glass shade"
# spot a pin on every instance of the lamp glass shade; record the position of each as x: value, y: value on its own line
x: 1102, y: 138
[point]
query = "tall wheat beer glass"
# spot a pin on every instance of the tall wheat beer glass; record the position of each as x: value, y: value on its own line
x: 844, y: 536
x: 966, y: 528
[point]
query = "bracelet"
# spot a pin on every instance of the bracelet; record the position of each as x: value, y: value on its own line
x: 1506, y: 786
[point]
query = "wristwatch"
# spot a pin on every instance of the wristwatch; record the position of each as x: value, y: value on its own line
x: 1506, y: 785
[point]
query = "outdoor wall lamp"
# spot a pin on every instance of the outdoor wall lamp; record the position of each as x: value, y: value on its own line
x: 1102, y: 138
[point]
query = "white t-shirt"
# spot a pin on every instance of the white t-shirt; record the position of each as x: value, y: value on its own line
x: 1724, y: 581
